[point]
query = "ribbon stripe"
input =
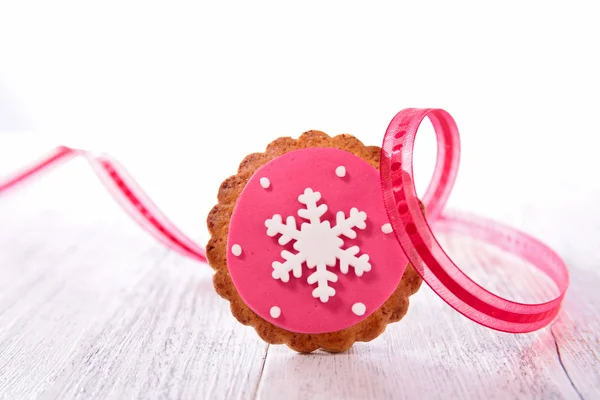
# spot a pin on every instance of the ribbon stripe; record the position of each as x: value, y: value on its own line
x: 412, y: 230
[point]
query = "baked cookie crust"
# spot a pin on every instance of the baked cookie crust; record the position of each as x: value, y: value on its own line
x: 218, y: 221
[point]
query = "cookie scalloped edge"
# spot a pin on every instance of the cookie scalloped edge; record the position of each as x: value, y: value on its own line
x: 394, y: 308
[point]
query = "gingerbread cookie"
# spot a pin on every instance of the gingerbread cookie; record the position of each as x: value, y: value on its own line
x: 302, y: 247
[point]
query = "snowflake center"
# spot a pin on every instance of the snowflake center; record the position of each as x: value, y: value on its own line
x: 316, y: 242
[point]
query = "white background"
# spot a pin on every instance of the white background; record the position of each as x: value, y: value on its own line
x: 180, y: 92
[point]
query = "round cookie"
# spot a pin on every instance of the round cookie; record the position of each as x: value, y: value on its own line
x: 301, y: 245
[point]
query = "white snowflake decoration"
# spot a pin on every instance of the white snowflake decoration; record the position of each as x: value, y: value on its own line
x: 318, y: 244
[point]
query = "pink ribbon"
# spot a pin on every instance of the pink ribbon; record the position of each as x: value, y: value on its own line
x: 423, y: 250
x: 413, y: 231
x: 125, y: 191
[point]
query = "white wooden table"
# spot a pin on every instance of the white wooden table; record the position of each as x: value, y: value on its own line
x: 93, y: 307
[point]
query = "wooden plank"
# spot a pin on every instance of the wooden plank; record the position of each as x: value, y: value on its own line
x: 577, y: 334
x: 92, y: 307
x: 436, y: 353
x: 169, y: 337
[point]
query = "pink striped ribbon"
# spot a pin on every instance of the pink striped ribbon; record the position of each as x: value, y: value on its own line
x: 125, y: 191
x: 413, y: 231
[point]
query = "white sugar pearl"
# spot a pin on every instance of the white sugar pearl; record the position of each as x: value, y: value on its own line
x: 340, y: 171
x: 265, y: 182
x: 386, y: 228
x: 236, y: 250
x: 359, y: 309
x: 275, y: 312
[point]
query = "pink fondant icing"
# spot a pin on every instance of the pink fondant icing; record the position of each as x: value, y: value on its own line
x: 289, y: 175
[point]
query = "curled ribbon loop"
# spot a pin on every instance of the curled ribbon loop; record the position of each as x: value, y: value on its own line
x: 422, y: 248
x: 412, y: 230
